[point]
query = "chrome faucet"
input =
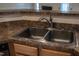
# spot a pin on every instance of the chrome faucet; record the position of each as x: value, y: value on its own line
x: 49, y: 21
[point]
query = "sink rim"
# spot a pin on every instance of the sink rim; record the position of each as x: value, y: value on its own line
x: 32, y: 37
x: 63, y: 39
x: 42, y: 37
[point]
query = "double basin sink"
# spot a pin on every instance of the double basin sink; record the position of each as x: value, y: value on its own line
x: 53, y: 35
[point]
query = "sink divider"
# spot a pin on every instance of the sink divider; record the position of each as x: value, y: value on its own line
x: 45, y: 35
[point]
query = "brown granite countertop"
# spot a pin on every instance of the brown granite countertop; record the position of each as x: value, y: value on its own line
x: 4, y: 40
x: 24, y: 12
x: 56, y: 19
x: 45, y: 44
x: 11, y: 15
x: 68, y: 47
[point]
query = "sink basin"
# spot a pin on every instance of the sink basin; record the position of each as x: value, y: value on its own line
x: 33, y: 33
x: 47, y: 35
x: 60, y: 36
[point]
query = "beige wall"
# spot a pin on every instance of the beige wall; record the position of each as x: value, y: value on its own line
x: 55, y: 6
x: 4, y: 6
x: 74, y: 6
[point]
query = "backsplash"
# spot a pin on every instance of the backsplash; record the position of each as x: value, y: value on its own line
x: 34, y: 12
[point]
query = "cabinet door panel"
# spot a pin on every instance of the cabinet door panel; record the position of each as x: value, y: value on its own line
x: 24, y: 49
x: 45, y: 52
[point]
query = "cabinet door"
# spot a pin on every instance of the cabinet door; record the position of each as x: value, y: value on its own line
x: 46, y: 52
x: 25, y: 50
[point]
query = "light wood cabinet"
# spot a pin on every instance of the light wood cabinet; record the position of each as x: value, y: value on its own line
x: 25, y: 50
x: 46, y: 52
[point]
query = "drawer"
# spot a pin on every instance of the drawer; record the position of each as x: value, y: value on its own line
x: 25, y: 50
x: 46, y: 52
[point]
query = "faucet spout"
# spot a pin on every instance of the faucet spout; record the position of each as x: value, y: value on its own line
x: 49, y: 21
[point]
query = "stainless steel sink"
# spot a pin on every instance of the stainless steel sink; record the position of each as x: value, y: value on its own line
x: 33, y: 33
x: 60, y: 36
x: 48, y: 35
